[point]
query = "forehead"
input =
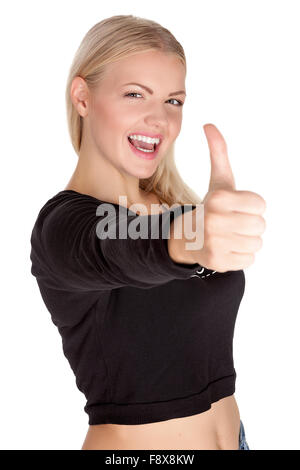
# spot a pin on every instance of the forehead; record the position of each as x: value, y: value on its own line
x: 150, y: 67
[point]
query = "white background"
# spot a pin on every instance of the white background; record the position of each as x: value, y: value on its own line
x: 243, y: 76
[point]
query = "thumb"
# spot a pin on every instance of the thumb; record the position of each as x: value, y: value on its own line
x: 221, y: 176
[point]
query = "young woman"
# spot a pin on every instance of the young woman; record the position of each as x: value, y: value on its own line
x: 147, y: 322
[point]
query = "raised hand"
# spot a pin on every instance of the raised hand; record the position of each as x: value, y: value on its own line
x: 233, y: 222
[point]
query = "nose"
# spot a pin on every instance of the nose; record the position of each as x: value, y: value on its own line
x: 156, y: 116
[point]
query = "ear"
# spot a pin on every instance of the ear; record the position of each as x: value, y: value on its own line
x: 79, y: 94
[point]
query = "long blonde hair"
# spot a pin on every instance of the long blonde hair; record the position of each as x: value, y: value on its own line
x: 109, y: 40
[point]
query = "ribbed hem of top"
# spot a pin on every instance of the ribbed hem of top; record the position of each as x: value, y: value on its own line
x: 142, y: 413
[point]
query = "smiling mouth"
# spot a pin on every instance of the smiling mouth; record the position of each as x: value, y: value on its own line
x: 155, y: 146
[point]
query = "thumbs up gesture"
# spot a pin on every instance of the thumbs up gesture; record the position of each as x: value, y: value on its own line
x: 233, y: 222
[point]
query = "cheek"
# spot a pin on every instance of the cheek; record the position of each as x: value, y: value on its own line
x: 102, y: 114
x: 112, y: 117
x: 174, y: 127
x: 109, y: 125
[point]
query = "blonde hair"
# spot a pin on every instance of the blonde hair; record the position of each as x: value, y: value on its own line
x: 109, y: 40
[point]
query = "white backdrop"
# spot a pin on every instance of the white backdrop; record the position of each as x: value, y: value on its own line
x: 243, y: 71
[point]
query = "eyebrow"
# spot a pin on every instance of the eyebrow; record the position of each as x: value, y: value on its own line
x: 180, y: 92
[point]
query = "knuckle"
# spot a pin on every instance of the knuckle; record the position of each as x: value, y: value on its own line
x: 262, y: 224
x: 257, y: 201
x: 259, y: 223
x: 260, y: 203
x: 263, y: 204
x: 218, y: 196
x: 220, y: 192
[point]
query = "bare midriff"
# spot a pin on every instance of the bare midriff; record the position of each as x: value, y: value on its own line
x: 215, y: 429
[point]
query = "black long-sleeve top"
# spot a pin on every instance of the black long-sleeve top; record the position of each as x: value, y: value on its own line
x: 148, y: 339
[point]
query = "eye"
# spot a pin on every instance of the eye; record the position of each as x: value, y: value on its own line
x: 180, y: 103
x: 132, y: 94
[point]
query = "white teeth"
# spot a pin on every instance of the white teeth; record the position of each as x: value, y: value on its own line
x: 149, y: 140
x: 144, y: 150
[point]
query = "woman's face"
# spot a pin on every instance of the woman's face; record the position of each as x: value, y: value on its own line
x: 112, y: 116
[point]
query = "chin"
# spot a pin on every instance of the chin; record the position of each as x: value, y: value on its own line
x: 141, y: 173
x: 146, y: 173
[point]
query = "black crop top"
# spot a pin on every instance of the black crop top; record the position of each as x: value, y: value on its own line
x: 148, y: 339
